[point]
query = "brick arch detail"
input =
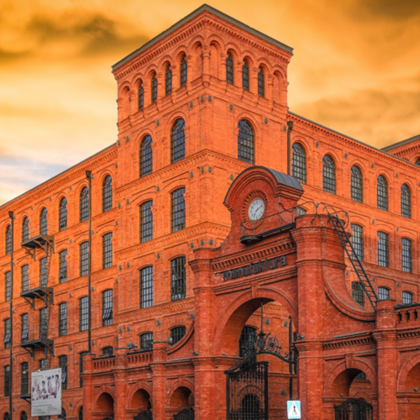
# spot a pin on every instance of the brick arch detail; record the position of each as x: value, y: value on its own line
x: 141, y: 385
x: 181, y: 382
x: 104, y: 390
x: 404, y: 371
x: 77, y: 406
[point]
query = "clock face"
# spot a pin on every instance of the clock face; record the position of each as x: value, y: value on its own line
x: 256, y: 209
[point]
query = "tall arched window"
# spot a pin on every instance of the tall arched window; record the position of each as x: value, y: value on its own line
x: 183, y: 70
x: 84, y: 204
x: 261, y: 83
x: 383, y: 293
x: 178, y: 279
x: 140, y: 96
x: 178, y: 141
x: 229, y: 68
x: 62, y: 214
x: 299, y: 163
x: 328, y: 175
x: 153, y: 84
x: 43, y: 222
x: 107, y: 250
x: 406, y: 255
x: 405, y: 201
x: 25, y: 229
x: 356, y: 184
x: 146, y: 287
x: 357, y: 241
x: 146, y: 221
x: 146, y: 156
x: 107, y: 194
x: 8, y: 240
x: 168, y: 80
x: 357, y: 293
x: 246, y: 142
x: 383, y: 249
x: 245, y: 76
x: 382, y: 193
x: 178, y: 210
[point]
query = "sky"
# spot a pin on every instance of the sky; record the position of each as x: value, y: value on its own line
x: 355, y: 69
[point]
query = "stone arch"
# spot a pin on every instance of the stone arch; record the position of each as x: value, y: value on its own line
x: 405, y: 370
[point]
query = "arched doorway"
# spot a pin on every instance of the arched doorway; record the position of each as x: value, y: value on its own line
x: 412, y: 386
x: 354, y: 409
x: 141, y: 404
x: 104, y: 408
x: 182, y: 403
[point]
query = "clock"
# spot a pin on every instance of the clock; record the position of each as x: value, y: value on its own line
x: 256, y: 209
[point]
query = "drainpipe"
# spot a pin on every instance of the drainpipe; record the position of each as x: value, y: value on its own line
x: 12, y: 219
x: 89, y: 178
x: 289, y: 130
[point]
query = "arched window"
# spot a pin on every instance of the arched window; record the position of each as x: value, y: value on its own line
x: 382, y: 193
x: 328, y: 175
x: 406, y: 255
x: 107, y: 307
x: 43, y: 222
x: 245, y: 76
x: 146, y: 221
x: 146, y: 287
x: 146, y: 156
x: 62, y: 273
x: 23, y: 416
x: 178, y: 141
x: 24, y: 322
x: 84, y: 258
x: 8, y: 240
x: 62, y: 319
x: 43, y: 272
x: 107, y: 250
x: 183, y: 71
x: 383, y: 249
x: 407, y: 298
x: 356, y: 184
x: 80, y: 413
x: 176, y: 335
x: 140, y: 95
x: 83, y: 313
x: 229, y: 68
x: 25, y: 229
x: 357, y: 293
x: 62, y: 363
x: 248, y: 335
x: 357, y: 241
x: 108, y: 351
x: 178, y: 210
x: 246, y: 142
x: 168, y: 79
x: 8, y: 285
x: 146, y: 341
x: 107, y: 194
x: 405, y: 201
x: 84, y: 204
x: 383, y: 293
x: 178, y: 279
x: 153, y: 84
x: 418, y: 162
x: 261, y: 83
x: 24, y: 275
x: 299, y: 163
x: 62, y: 214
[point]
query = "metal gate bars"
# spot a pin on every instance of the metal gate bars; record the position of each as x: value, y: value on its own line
x: 354, y: 409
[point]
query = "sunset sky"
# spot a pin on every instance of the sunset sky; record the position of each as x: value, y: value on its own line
x: 355, y: 69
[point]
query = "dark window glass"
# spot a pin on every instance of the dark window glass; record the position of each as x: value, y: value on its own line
x: 140, y: 93
x: 382, y: 193
x: 229, y: 68
x: 418, y: 162
x: 357, y: 293
x: 246, y: 142
x: 84, y: 204
x: 245, y: 76
x: 6, y: 384
x: 23, y: 416
x: 62, y: 363
x: 178, y: 279
x: 107, y: 307
x: 83, y: 313
x: 261, y: 83
x: 407, y: 298
x: 25, y: 229
x: 361, y: 376
x: 8, y: 285
x: 62, y: 319
x: 328, y: 175
x: 168, y: 80
x: 62, y: 275
x: 84, y: 258
x: 7, y: 333
x: 80, y: 413
x: 24, y: 272
x: 81, y: 358
x: 184, y: 71
x: 43, y: 364
x: 357, y: 241
x: 146, y: 156
x: 8, y: 240
x: 107, y: 250
x: 24, y: 328
x: 383, y: 293
x: 299, y: 163
x: 146, y: 221
x: 300, y: 211
x: 178, y: 141
x: 178, y: 210
x: 248, y: 335
x: 146, y: 341
x: 43, y: 272
x: 43, y: 323
x: 154, y: 88
x: 63, y: 214
x: 383, y: 250
x: 146, y: 287
x: 63, y: 413
x: 406, y: 259
x: 405, y: 201
x: 107, y: 194
x: 107, y: 351
x: 24, y: 376
x: 356, y: 184
x: 43, y: 222
x: 176, y: 334
x: 251, y: 404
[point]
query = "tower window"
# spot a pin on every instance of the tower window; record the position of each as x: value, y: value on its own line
x: 299, y: 163
x: 184, y: 71
x: 146, y: 156
x: 328, y: 175
x: 178, y: 210
x: 146, y: 287
x: 261, y: 83
x: 356, y: 184
x: 178, y: 279
x: 140, y: 93
x: 245, y: 76
x: 107, y: 194
x: 84, y: 204
x: 229, y: 68
x: 405, y: 201
x: 178, y: 141
x: 168, y: 79
x: 246, y: 142
x: 382, y: 193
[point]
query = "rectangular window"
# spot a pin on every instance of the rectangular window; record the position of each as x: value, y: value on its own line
x: 83, y: 313
x: 24, y: 376
x: 107, y: 351
x: 43, y: 324
x: 146, y: 287
x: 107, y: 250
x: 146, y: 222
x: 24, y: 271
x: 81, y: 357
x: 8, y: 285
x: 357, y: 241
x: 7, y: 333
x: 357, y: 293
x: 43, y: 272
x: 25, y: 328
x: 178, y: 279
x: 407, y: 298
x: 62, y: 363
x: 178, y: 210
x: 383, y: 293
x: 62, y: 319
x: 146, y: 341
x: 63, y: 266
x: 383, y: 249
x: 107, y: 306
x: 406, y: 256
x: 6, y: 381
x: 84, y: 258
x: 43, y: 364
x: 176, y: 334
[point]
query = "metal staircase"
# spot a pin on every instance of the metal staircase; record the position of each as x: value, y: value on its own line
x: 337, y: 222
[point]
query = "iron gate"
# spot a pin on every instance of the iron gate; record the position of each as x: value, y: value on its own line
x: 185, y: 414
x: 247, y: 391
x: 354, y: 409
x: 144, y: 415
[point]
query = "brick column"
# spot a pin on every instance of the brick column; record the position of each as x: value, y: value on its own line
x: 88, y: 389
x: 120, y: 384
x: 158, y: 379
x: 206, y: 66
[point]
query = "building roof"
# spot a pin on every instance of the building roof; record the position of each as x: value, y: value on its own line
x: 401, y: 143
x: 195, y: 13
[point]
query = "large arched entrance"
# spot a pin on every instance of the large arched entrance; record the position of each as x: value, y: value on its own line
x: 104, y: 408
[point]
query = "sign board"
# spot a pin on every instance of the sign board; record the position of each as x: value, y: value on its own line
x: 46, y: 393
x: 294, y: 410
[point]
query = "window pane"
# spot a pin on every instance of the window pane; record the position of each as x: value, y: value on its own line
x: 184, y: 71
x: 6, y: 382
x: 7, y: 333
x: 357, y: 293
x: 229, y: 68
x: 146, y: 287
x: 146, y: 341
x: 140, y: 96
x: 328, y: 175
x: 107, y: 307
x: 168, y: 80
x: 146, y: 221
x: 43, y: 324
x: 176, y: 334
x: 382, y: 193
x: 178, y: 210
x: 43, y: 272
x: 245, y: 76
x: 299, y: 163
x: 383, y: 293
x: 357, y: 241
x: 178, y: 278
x: 107, y: 351
x: 356, y: 184
x: 24, y: 375
x: 8, y: 285
x: 25, y: 277
x: 62, y: 275
x: 107, y: 250
x: 383, y: 250
x: 8, y: 240
x: 63, y: 214
x: 24, y: 328
x: 84, y: 258
x: 62, y: 363
x: 261, y: 87
x: 407, y: 298
x: 154, y: 88
x: 25, y: 229
x: 248, y: 335
x: 405, y: 201
x: 406, y: 259
x: 84, y: 204
x: 43, y: 222
x: 83, y: 313
x: 246, y: 142
x: 178, y: 141
x: 146, y: 156
x: 62, y: 319
x: 107, y: 194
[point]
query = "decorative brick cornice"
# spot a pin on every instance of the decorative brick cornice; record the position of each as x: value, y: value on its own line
x: 362, y: 340
x: 403, y: 335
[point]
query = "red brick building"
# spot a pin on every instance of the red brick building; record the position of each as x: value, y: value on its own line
x: 178, y: 279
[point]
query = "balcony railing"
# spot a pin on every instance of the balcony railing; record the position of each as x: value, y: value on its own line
x: 409, y: 313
